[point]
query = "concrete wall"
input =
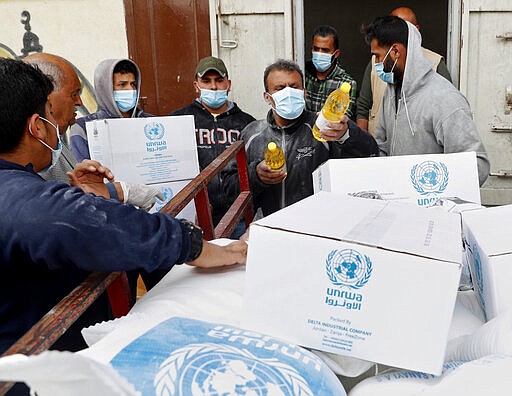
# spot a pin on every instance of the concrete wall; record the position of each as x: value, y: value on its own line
x: 83, y: 31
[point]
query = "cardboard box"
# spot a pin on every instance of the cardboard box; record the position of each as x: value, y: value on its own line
x: 169, y: 190
x: 419, y: 179
x: 145, y: 150
x: 487, y: 234
x: 376, y: 280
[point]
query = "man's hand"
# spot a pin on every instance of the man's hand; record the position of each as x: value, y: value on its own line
x: 337, y: 130
x: 219, y: 256
x: 89, y: 175
x: 268, y: 175
x: 140, y: 195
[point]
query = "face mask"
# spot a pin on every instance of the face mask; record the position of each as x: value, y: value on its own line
x: 126, y: 99
x: 289, y: 102
x: 55, y: 151
x: 214, y: 99
x: 387, y: 77
x: 322, y: 61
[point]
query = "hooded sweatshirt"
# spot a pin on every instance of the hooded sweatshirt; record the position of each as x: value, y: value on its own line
x: 427, y: 114
x: 107, y: 107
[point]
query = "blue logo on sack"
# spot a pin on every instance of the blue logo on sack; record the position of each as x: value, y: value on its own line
x: 154, y: 130
x: 348, y: 267
x: 182, y: 356
x: 429, y: 177
x: 213, y: 369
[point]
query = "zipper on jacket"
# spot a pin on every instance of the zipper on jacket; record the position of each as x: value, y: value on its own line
x: 283, y: 183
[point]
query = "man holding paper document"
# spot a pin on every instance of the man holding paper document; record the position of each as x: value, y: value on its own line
x: 63, y: 102
x: 54, y: 235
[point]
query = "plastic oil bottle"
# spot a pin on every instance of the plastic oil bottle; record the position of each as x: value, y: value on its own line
x: 274, y: 157
x: 333, y: 109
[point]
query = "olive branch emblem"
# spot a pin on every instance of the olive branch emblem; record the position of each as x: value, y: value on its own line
x: 359, y: 284
x: 167, y: 381
x: 442, y: 186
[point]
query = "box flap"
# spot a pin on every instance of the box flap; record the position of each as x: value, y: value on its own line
x: 492, y: 228
x: 384, y: 224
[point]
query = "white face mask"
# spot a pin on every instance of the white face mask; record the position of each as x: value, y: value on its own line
x: 289, y: 102
x: 55, y: 151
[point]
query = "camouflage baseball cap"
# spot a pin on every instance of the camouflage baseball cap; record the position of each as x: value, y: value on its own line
x: 211, y: 63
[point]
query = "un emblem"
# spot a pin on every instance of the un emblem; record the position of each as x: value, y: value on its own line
x: 429, y: 177
x: 154, y: 130
x: 213, y: 369
x: 168, y: 193
x: 348, y: 267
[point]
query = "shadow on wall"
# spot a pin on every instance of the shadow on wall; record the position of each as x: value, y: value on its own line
x: 31, y: 44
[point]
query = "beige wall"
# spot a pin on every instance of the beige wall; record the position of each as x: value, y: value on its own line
x: 82, y: 31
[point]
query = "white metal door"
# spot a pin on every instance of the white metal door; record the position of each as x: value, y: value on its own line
x: 248, y: 36
x: 485, y: 74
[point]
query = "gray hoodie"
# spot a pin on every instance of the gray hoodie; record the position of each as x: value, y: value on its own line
x: 432, y: 116
x: 107, y: 107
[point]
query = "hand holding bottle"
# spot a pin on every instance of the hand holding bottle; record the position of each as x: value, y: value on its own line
x: 336, y: 130
x: 269, y: 176
x: 333, y: 109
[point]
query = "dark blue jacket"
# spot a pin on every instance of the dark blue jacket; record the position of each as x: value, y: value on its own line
x: 53, y: 235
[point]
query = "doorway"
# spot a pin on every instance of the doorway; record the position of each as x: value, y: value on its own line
x: 349, y: 17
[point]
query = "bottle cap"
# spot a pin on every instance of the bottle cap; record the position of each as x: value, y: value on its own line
x: 272, y: 146
x: 345, y: 87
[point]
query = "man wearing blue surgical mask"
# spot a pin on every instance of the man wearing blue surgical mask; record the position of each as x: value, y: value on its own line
x: 117, y: 88
x: 323, y: 72
x: 421, y: 111
x: 289, y: 125
x: 218, y: 123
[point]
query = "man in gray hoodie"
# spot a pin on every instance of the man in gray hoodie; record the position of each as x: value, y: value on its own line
x: 117, y: 87
x: 422, y: 112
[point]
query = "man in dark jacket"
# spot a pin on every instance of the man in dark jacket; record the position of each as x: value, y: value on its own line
x: 52, y: 234
x: 289, y: 125
x: 218, y: 123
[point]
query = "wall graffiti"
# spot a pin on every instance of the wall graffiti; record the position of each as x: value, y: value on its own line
x: 30, y: 39
x: 32, y: 44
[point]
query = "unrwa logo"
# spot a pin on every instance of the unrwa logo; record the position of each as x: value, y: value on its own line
x: 348, y: 267
x: 429, y: 177
x: 154, y: 130
x: 217, y: 369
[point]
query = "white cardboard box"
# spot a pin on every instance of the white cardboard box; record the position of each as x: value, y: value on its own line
x: 169, y: 190
x: 145, y: 150
x: 488, y: 234
x: 372, y: 279
x: 419, y: 179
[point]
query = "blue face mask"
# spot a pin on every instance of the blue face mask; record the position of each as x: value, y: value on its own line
x: 322, y: 61
x: 55, y: 151
x: 289, y: 102
x: 214, y: 99
x: 387, y: 77
x: 126, y: 99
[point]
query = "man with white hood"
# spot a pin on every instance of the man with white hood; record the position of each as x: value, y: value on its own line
x: 117, y: 87
x: 422, y: 112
